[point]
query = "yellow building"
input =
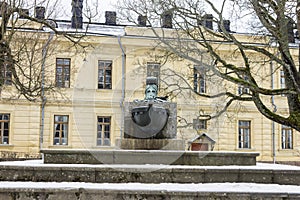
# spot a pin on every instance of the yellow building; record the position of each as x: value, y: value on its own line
x: 92, y: 84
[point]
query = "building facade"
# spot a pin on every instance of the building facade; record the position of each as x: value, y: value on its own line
x: 91, y: 85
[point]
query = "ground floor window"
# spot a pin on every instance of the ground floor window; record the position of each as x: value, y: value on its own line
x: 4, y: 128
x: 61, y: 129
x: 244, y: 134
x: 103, y: 131
x: 286, y: 137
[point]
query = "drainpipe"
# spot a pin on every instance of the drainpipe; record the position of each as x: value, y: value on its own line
x: 123, y: 87
x: 44, y: 54
x: 274, y: 110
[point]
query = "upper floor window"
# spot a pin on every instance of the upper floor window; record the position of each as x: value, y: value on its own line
x: 6, y: 74
x: 63, y: 72
x: 282, y: 79
x: 199, y: 80
x: 103, y: 131
x: 4, y: 128
x: 244, y: 137
x: 286, y: 137
x: 243, y: 89
x: 61, y: 129
x: 104, y: 74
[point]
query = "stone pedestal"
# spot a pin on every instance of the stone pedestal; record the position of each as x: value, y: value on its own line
x: 133, y: 131
x: 140, y: 157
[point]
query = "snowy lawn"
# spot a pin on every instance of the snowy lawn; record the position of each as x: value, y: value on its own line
x: 169, y: 187
x: 258, y: 166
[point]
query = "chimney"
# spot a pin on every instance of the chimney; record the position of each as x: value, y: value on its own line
x: 290, y: 30
x: 40, y: 12
x: 167, y: 19
x: 207, y: 21
x: 76, y: 21
x: 142, y: 20
x: 23, y: 13
x: 226, y: 24
x: 110, y: 18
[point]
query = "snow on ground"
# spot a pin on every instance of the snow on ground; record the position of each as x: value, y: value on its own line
x: 169, y: 187
x: 258, y: 166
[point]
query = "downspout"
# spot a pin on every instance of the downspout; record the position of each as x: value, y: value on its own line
x: 43, y: 98
x: 274, y: 110
x: 123, y: 88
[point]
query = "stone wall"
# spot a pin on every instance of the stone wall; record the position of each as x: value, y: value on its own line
x: 201, y: 158
x: 11, y: 155
x: 95, y: 194
x: 147, y: 174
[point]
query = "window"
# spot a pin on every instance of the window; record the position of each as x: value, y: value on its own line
x: 4, y: 128
x: 103, y: 131
x: 104, y: 74
x: 199, y: 80
x: 6, y: 74
x: 286, y: 137
x: 153, y: 69
x: 282, y: 80
x: 243, y: 89
x: 199, y: 124
x: 63, y: 72
x: 244, y: 134
x: 61, y: 129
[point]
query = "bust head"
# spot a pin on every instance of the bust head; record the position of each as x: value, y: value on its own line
x: 151, y: 92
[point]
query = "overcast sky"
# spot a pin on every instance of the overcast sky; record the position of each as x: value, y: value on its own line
x: 97, y: 6
x: 63, y: 11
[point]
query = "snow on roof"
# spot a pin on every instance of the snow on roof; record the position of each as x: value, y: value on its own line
x: 93, y: 28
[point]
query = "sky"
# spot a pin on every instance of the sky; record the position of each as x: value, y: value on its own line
x: 61, y: 9
x: 98, y: 7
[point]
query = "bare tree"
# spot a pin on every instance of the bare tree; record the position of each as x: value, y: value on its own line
x: 25, y: 42
x: 188, y: 36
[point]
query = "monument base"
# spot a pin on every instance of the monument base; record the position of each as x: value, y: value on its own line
x: 150, y: 144
x: 140, y: 157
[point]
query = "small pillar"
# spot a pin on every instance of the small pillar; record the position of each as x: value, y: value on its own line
x: 167, y: 19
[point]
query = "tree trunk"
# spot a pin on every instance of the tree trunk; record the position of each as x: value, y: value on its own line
x: 298, y: 27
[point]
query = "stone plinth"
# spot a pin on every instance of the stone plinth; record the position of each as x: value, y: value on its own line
x: 73, y: 156
x: 131, y: 130
x: 150, y: 144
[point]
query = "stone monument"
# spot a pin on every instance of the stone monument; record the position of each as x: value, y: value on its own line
x: 149, y: 138
x: 151, y: 123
